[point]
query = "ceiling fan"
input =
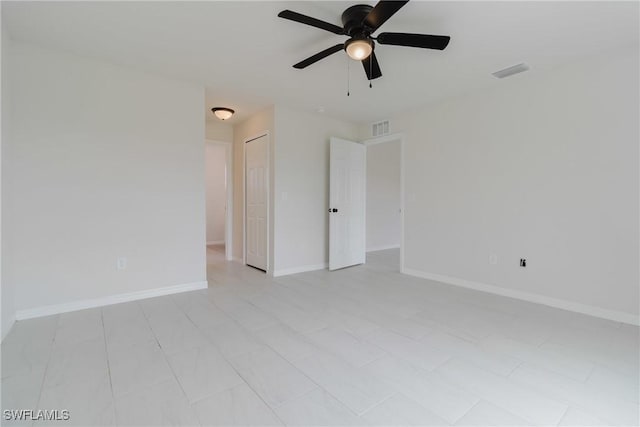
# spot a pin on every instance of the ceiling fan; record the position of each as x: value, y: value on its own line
x: 359, y: 22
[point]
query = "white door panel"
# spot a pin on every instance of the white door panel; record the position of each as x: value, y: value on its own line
x: 256, y: 202
x: 347, y: 204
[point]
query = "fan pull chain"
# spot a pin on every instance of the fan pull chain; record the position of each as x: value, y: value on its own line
x: 348, y: 75
x: 370, y: 69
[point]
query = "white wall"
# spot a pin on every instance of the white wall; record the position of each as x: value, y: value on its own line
x: 103, y: 162
x: 217, y: 130
x: 542, y: 167
x: 254, y: 126
x: 302, y: 187
x: 299, y: 167
x: 7, y: 293
x: 215, y: 158
x: 383, y: 195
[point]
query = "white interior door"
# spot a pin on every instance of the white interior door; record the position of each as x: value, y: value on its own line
x: 347, y: 204
x: 256, y: 202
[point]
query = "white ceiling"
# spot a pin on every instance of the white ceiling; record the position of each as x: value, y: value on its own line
x: 243, y: 53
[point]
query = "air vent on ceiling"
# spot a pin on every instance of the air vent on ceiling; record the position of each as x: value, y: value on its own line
x: 380, y: 128
x: 510, y: 71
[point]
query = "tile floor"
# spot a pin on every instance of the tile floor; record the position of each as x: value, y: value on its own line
x: 360, y: 346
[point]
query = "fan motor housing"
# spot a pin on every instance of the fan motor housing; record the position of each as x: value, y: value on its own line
x: 353, y: 17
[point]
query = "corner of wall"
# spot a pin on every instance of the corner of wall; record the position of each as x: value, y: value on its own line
x: 7, y: 297
x: 7, y: 324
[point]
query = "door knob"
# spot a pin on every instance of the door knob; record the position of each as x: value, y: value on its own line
x: 333, y: 210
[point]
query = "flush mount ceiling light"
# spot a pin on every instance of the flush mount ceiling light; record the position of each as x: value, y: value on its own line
x: 358, y: 48
x: 222, y: 113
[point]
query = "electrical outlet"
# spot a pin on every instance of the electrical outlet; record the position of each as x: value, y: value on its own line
x: 523, y: 262
x: 121, y: 263
x: 493, y: 259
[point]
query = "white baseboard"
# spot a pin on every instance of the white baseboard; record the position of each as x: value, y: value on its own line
x: 382, y: 248
x: 617, y: 316
x: 7, y: 328
x: 215, y: 242
x: 109, y: 300
x: 301, y: 269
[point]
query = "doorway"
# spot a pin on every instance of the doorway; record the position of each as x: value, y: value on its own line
x: 384, y: 210
x: 366, y: 202
x: 219, y: 191
x: 256, y: 202
x: 347, y: 210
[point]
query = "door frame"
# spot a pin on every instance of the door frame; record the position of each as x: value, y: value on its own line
x: 244, y: 196
x: 228, y: 215
x: 391, y: 138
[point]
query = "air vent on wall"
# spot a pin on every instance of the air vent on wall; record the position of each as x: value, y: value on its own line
x: 380, y: 128
x: 510, y: 71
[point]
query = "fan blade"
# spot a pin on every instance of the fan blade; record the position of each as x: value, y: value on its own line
x: 318, y: 56
x: 414, y: 40
x: 381, y: 12
x: 304, y: 19
x: 371, y: 67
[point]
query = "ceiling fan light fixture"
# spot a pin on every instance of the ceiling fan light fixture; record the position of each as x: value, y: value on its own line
x: 359, y: 48
x: 360, y: 22
x: 222, y: 113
